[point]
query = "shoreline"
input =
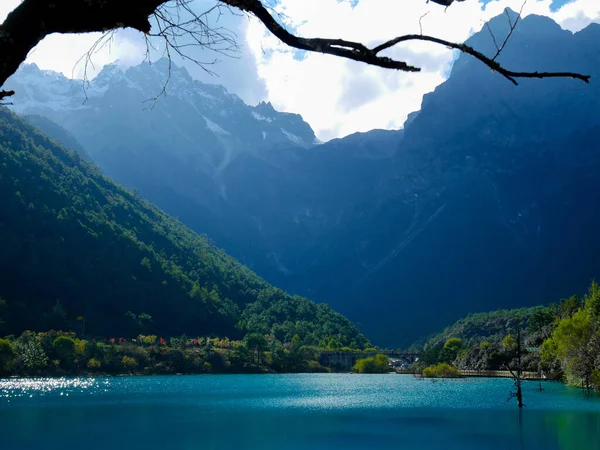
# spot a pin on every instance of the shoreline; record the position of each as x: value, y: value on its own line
x: 137, y: 375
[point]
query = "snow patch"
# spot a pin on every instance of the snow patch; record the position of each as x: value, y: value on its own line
x: 258, y: 116
x: 214, y: 127
x: 292, y: 137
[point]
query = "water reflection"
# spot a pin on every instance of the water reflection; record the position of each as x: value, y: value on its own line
x: 575, y: 431
x: 291, y: 412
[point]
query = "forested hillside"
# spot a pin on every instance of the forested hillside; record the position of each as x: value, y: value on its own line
x: 73, y: 243
x: 490, y: 326
x: 561, y: 339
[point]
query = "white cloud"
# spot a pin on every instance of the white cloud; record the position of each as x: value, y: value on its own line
x: 337, y: 97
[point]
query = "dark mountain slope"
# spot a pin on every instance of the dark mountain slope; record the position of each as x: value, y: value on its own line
x: 505, y: 177
x: 484, y: 202
x: 74, y: 243
x: 59, y: 134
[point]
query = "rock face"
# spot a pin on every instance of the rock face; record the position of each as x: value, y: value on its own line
x: 487, y: 199
x: 197, y: 128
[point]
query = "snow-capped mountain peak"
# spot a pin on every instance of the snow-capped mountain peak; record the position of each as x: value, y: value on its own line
x: 159, y: 92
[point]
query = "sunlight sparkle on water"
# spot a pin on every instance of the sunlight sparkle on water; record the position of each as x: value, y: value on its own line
x: 28, y: 387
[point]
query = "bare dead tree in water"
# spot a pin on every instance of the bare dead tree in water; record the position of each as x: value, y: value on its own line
x: 516, y: 372
x: 33, y: 20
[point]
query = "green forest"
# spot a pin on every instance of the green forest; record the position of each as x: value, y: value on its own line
x: 560, y: 341
x: 79, y: 253
x: 59, y: 353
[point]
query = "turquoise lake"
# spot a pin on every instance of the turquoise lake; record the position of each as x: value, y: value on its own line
x: 308, y: 411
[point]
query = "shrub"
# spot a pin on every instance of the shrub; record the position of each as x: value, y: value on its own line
x: 379, y: 364
x: 147, y: 340
x: 94, y: 364
x: 441, y: 370
x: 80, y: 347
x: 129, y: 363
x: 140, y: 354
x: 314, y: 366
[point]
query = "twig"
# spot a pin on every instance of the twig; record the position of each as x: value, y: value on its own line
x: 512, y: 28
x: 420, y: 24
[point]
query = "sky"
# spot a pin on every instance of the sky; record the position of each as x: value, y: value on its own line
x: 336, y: 97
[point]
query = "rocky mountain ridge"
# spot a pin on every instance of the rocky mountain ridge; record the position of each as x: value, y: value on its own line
x: 481, y: 202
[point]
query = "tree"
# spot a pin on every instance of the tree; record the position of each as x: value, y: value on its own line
x: 296, y: 343
x: 33, y: 20
x: 64, y: 347
x: 431, y: 354
x: 141, y: 323
x: 32, y: 356
x: 576, y: 343
x: 540, y: 325
x: 8, y: 355
x: 592, y: 300
x: 451, y: 349
x: 333, y: 344
x: 509, y: 343
x: 255, y: 342
x: 569, y: 306
x: 514, y: 349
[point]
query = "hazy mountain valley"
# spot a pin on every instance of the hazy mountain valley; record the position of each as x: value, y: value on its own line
x: 476, y: 204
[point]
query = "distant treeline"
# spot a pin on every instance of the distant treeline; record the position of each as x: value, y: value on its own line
x: 58, y: 353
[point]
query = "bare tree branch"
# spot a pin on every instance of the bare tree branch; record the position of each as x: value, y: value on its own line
x: 512, y: 27
x: 98, y: 45
x: 359, y: 52
x: 32, y: 20
x: 445, y: 3
x: 494, y: 65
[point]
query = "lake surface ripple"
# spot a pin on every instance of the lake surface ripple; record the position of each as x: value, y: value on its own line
x: 308, y: 411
